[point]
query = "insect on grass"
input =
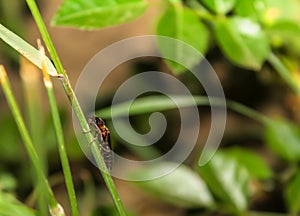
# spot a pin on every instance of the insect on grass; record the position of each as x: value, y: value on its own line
x: 103, y: 135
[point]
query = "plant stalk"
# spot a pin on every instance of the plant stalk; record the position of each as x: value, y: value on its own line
x: 59, y: 135
x: 284, y: 72
x: 74, y: 103
x: 27, y: 141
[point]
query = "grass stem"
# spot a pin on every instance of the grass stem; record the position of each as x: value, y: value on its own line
x: 284, y: 72
x: 74, y: 103
x: 53, y: 204
x: 59, y: 135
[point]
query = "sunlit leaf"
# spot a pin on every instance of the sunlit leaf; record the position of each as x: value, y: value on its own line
x: 256, y: 167
x: 181, y: 187
x: 283, y: 138
x: 251, y: 8
x: 228, y: 180
x: 95, y: 14
x: 183, y: 24
x: 25, y: 49
x: 219, y: 6
x: 243, y: 42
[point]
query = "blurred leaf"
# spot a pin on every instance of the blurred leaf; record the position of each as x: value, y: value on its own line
x: 283, y: 138
x: 292, y: 194
x: 182, y: 187
x: 95, y: 14
x: 9, y: 206
x: 73, y: 149
x: 183, y: 24
x: 10, y: 142
x: 227, y: 180
x: 7, y: 8
x: 285, y: 33
x: 105, y: 211
x: 243, y: 42
x: 219, y: 6
x: 254, y: 9
x: 7, y: 182
x: 25, y: 49
x: 152, y: 104
x: 256, y: 167
x: 281, y: 10
x: 196, y: 6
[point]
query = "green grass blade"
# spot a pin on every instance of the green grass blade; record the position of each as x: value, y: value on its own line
x: 284, y: 73
x: 59, y: 135
x: 32, y: 91
x: 53, y: 204
x: 75, y: 104
x: 162, y: 103
x: 25, y: 49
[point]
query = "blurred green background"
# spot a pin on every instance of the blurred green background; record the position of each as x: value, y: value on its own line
x: 256, y: 171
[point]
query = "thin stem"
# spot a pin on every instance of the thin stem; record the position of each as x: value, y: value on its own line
x: 159, y: 103
x: 246, y: 111
x: 284, y: 72
x: 65, y: 81
x: 32, y: 95
x: 27, y: 141
x: 107, y: 178
x: 59, y: 134
x: 235, y: 106
x: 73, y: 100
x: 45, y: 35
x: 201, y: 11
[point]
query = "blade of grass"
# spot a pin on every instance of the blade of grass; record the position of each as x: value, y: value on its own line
x: 247, y: 111
x: 25, y: 49
x: 161, y: 103
x: 30, y: 76
x: 59, y: 134
x: 76, y: 108
x: 55, y: 207
x: 284, y: 72
x: 75, y: 105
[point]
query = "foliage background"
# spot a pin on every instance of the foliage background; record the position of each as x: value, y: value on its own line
x: 268, y: 151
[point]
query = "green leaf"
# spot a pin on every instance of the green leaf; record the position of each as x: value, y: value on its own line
x: 219, y: 6
x: 182, y: 187
x: 256, y: 167
x: 25, y: 49
x: 285, y: 33
x: 183, y: 24
x: 227, y: 180
x: 11, y: 150
x: 292, y: 194
x: 7, y: 182
x: 152, y: 104
x: 254, y: 9
x: 95, y: 14
x: 283, y: 138
x: 9, y: 206
x: 243, y: 42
